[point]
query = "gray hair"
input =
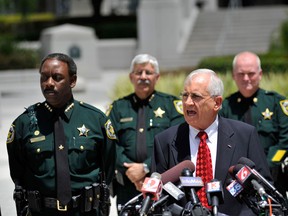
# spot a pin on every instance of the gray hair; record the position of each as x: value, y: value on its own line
x: 144, y: 59
x: 215, y: 86
x: 258, y: 61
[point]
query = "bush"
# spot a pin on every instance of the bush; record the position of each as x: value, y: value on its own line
x: 270, y: 62
x: 20, y: 59
x: 172, y: 83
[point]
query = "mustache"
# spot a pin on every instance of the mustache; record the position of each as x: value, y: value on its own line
x: 146, y: 81
x: 49, y: 91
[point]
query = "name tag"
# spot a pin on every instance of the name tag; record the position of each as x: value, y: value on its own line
x: 129, y: 119
x: 37, y: 139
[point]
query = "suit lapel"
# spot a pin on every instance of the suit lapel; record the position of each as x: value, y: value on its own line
x: 181, y: 146
x: 225, y: 149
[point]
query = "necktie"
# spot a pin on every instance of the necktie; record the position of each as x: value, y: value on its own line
x: 247, y: 103
x: 141, y: 148
x: 203, y: 166
x: 64, y: 193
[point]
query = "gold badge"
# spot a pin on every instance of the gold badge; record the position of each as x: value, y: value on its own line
x: 284, y: 106
x: 11, y: 134
x: 83, y: 131
x: 178, y: 106
x: 267, y: 114
x: 110, y: 130
x: 159, y: 112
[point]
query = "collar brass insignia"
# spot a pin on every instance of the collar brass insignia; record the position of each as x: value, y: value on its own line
x: 159, y: 112
x: 267, y: 114
x: 83, y: 131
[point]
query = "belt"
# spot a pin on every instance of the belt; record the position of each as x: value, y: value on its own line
x: 53, y: 203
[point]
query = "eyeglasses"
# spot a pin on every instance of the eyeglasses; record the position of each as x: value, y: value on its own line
x: 147, y: 72
x: 194, y: 97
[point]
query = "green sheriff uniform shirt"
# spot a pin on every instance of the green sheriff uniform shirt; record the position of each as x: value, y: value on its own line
x: 30, y: 143
x: 162, y: 111
x: 269, y: 114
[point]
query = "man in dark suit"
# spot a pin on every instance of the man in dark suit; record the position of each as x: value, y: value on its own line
x: 228, y: 140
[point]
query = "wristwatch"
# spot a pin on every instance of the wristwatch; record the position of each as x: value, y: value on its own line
x: 145, y: 167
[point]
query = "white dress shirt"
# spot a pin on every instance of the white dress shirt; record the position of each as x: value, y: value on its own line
x: 212, y: 132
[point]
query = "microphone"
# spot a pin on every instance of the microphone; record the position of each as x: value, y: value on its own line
x: 171, y: 190
x: 151, y: 190
x: 234, y: 188
x: 267, y: 184
x: 172, y: 175
x: 130, y: 202
x: 214, y: 193
x: 191, y: 185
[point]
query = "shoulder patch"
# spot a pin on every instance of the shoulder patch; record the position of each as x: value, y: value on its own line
x: 178, y: 106
x: 110, y: 130
x: 284, y: 106
x: 109, y: 110
x: 11, y: 134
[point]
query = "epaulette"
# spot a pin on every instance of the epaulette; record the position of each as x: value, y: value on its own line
x: 32, y: 116
x: 89, y: 106
x: 267, y: 92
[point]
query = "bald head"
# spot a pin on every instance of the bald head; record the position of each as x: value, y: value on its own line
x: 247, y: 73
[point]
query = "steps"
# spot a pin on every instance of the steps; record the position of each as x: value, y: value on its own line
x: 225, y: 32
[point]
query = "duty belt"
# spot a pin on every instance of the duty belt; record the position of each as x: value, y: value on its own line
x: 53, y: 203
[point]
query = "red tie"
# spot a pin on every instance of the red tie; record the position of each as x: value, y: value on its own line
x: 203, y: 166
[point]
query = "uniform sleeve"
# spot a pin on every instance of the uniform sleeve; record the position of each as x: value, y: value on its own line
x: 176, y: 116
x: 15, y: 156
x: 274, y: 154
x: 223, y: 110
x: 108, y: 150
x: 120, y: 150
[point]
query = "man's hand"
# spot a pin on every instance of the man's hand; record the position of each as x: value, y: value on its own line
x: 135, y: 171
x: 139, y: 184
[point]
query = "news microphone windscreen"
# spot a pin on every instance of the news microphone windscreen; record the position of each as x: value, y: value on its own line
x: 236, y: 168
x: 246, y: 161
x: 230, y: 171
x: 156, y: 175
x: 173, y: 174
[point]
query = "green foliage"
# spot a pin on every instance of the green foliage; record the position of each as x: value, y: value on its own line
x: 7, y: 45
x: 284, y: 36
x: 220, y: 64
x: 20, y: 59
x: 12, y: 57
x: 172, y: 83
x: 270, y: 62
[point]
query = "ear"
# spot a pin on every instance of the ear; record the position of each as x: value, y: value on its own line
x: 218, y: 102
x: 260, y: 74
x: 73, y: 80
x: 130, y: 77
x: 157, y: 76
